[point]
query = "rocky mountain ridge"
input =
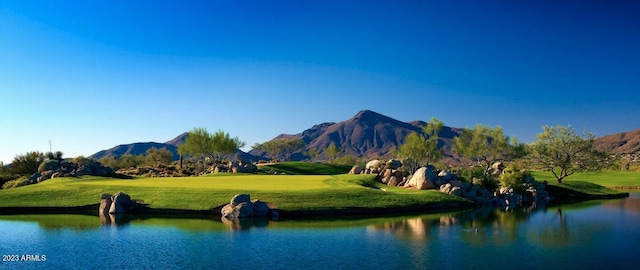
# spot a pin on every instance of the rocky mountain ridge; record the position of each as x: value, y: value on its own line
x: 366, y: 135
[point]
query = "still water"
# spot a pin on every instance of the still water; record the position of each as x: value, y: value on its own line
x: 589, y: 235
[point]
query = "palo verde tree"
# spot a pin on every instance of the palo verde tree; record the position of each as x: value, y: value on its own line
x: 201, y: 143
x: 332, y: 151
x: 421, y: 149
x: 561, y: 151
x: 485, y: 145
x: 280, y: 149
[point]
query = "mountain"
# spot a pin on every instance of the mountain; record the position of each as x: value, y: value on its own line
x: 141, y: 148
x: 619, y: 143
x: 367, y: 134
x: 172, y: 145
x: 177, y: 141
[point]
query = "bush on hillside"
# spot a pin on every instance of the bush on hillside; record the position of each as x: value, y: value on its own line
x: 22, y: 181
x: 476, y: 176
x: 515, y: 178
x: 27, y: 164
x: 48, y: 165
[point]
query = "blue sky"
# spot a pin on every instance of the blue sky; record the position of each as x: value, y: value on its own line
x: 89, y: 75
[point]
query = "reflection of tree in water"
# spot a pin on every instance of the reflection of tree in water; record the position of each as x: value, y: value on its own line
x: 412, y: 229
x: 561, y: 229
x: 478, y: 226
x: 629, y: 205
x: 497, y: 226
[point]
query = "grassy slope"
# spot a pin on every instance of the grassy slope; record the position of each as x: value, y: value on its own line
x: 307, y: 168
x: 604, y: 178
x: 286, y: 192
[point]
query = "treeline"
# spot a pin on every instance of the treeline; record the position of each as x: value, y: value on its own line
x: 153, y: 157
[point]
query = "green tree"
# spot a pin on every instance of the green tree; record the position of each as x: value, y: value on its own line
x: 421, y: 149
x: 332, y: 151
x: 110, y: 161
x: 26, y: 165
x: 130, y: 161
x: 485, y: 145
x: 312, y: 153
x: 201, y: 143
x: 155, y: 156
x: 561, y: 151
x: 281, y: 149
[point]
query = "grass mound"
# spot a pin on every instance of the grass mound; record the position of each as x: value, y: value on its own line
x: 581, y: 190
x: 286, y: 192
x: 307, y: 168
x: 605, y: 178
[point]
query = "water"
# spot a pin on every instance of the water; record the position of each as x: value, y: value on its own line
x: 590, y: 235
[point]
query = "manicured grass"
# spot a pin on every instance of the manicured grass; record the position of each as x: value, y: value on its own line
x: 307, y: 168
x: 604, y: 178
x: 286, y: 192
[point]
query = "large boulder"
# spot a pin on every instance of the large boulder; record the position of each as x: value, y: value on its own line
x: 240, y: 198
x: 241, y: 206
x: 374, y: 166
x: 357, y: 169
x: 260, y: 208
x: 121, y: 203
x: 422, y: 179
x: 105, y: 204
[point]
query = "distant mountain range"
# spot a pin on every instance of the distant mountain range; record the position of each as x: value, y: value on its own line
x: 367, y: 134
x: 619, y: 143
x: 141, y: 148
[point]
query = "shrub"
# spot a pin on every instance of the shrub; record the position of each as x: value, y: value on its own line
x: 128, y: 161
x: 49, y: 164
x: 23, y: 181
x: 346, y: 160
x: 27, y: 164
x: 157, y: 156
x: 515, y: 178
x: 83, y: 161
x: 477, y: 176
x: 110, y: 162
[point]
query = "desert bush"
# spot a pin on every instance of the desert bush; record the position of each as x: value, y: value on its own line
x: 514, y: 177
x: 128, y: 161
x: 27, y: 164
x: 22, y: 181
x: 83, y: 161
x: 346, y: 160
x: 49, y: 164
x: 157, y: 156
x: 110, y: 161
x: 476, y: 176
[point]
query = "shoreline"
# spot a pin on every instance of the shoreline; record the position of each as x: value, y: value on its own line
x: 144, y: 210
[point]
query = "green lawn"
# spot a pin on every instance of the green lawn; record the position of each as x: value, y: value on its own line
x: 604, y: 178
x: 286, y: 192
x: 307, y: 168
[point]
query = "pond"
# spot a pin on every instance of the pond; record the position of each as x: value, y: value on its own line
x: 588, y: 235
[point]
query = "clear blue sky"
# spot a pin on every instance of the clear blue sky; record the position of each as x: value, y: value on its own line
x: 89, y: 75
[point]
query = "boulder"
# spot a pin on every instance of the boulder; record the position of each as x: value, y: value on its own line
x: 422, y: 179
x: 357, y: 169
x: 393, y: 181
x: 260, y: 208
x: 240, y: 198
x: 374, y: 166
x: 242, y: 210
x: 394, y: 164
x: 105, y: 204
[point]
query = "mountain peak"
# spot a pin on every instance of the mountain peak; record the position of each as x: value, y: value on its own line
x: 367, y: 114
